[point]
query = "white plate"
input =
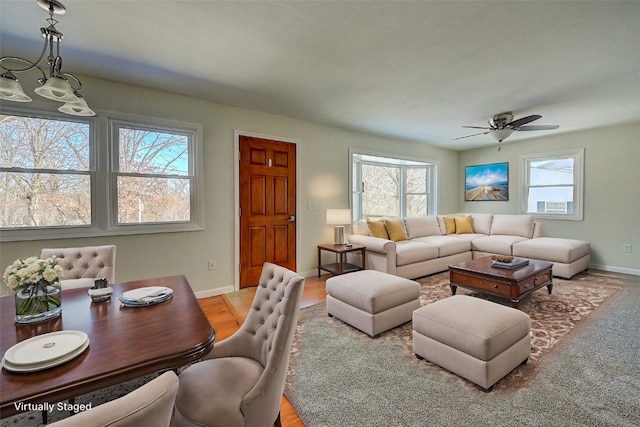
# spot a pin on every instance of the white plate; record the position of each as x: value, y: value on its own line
x: 45, y: 365
x: 143, y: 297
x: 45, y: 348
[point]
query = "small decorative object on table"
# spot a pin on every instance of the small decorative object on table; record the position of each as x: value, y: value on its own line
x: 508, y: 261
x: 36, y: 283
x: 100, y: 291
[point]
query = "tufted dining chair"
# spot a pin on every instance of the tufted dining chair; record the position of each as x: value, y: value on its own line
x: 148, y: 406
x: 240, y: 383
x: 84, y: 264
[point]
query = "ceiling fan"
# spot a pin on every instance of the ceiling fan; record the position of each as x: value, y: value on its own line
x: 502, y: 125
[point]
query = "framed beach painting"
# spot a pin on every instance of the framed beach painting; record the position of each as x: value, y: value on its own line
x: 486, y: 182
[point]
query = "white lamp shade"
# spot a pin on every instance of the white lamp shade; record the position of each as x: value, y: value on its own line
x: 11, y: 90
x: 58, y: 89
x: 338, y: 216
x: 78, y: 108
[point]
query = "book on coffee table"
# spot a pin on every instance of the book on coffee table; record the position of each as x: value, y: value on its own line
x: 515, y: 263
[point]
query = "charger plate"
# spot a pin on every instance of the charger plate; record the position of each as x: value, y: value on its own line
x: 144, y: 297
x: 45, y: 351
x: 44, y: 348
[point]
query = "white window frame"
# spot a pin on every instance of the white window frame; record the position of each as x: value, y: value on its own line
x: 394, y: 161
x: 578, y: 183
x: 102, y: 175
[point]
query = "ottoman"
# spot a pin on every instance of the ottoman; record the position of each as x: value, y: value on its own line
x: 569, y: 256
x: 372, y: 301
x: 477, y: 339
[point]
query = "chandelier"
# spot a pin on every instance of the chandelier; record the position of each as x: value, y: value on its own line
x: 58, y: 84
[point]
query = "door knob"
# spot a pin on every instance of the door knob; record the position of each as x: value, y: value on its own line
x: 292, y: 218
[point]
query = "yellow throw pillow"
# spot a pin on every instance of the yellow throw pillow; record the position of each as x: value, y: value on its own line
x: 395, y: 229
x: 450, y: 224
x: 377, y: 229
x: 464, y: 224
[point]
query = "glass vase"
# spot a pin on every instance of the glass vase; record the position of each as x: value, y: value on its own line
x: 38, y: 303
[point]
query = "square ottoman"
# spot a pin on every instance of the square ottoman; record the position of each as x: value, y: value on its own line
x: 372, y: 301
x: 477, y: 339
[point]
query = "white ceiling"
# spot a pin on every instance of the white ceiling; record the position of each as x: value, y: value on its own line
x: 416, y: 70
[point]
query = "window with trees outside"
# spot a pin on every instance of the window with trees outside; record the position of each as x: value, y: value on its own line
x: 77, y: 177
x: 552, y: 184
x: 391, y: 187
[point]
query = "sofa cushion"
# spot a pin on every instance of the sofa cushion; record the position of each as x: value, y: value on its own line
x: 422, y: 226
x: 482, y: 223
x: 377, y: 229
x: 464, y: 224
x: 552, y: 249
x: 512, y: 225
x: 497, y: 244
x: 447, y: 245
x: 395, y: 229
x: 409, y: 252
x: 360, y: 228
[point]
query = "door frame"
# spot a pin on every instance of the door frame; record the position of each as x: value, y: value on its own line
x: 236, y: 196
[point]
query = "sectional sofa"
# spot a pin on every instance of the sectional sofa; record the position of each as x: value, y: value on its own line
x: 413, y: 247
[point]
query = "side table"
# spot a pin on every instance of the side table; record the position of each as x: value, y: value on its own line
x: 341, y: 266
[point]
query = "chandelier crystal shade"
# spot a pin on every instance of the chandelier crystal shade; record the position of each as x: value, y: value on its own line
x: 57, y: 85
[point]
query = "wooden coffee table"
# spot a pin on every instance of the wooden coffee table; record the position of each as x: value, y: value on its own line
x: 514, y: 284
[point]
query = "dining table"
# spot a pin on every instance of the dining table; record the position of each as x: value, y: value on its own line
x: 125, y: 342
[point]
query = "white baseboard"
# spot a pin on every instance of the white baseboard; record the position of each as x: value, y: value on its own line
x: 214, y: 292
x: 632, y: 271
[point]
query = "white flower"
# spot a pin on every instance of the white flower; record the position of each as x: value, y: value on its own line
x: 31, y: 271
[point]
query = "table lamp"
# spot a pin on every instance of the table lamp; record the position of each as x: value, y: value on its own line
x: 338, y: 218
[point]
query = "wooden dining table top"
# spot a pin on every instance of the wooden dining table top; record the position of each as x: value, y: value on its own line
x: 124, y: 342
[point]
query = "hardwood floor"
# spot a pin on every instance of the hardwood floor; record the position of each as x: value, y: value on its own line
x: 227, y: 312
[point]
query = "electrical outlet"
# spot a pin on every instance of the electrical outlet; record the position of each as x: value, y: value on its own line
x: 212, y: 264
x: 626, y: 248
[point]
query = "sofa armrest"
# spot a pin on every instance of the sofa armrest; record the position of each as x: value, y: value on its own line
x: 374, y: 244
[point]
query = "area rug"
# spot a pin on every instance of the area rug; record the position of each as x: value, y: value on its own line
x: 332, y: 362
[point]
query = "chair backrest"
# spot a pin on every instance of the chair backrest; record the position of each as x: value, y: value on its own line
x: 83, y: 264
x: 270, y: 326
x: 148, y: 406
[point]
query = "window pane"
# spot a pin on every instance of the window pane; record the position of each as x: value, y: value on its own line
x: 554, y: 172
x: 381, y: 195
x: 416, y: 205
x: 44, y: 200
x: 416, y: 180
x: 34, y: 143
x: 153, y: 199
x: 551, y: 200
x: 150, y: 152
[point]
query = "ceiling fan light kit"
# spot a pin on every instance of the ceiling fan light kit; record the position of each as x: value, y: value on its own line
x: 502, y: 125
x: 57, y: 85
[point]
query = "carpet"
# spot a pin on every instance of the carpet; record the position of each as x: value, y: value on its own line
x: 34, y: 418
x: 338, y: 374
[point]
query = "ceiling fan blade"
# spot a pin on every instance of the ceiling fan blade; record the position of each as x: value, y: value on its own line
x: 538, y: 127
x: 475, y: 134
x: 523, y: 121
x: 477, y: 127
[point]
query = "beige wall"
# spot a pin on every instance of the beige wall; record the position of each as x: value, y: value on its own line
x: 611, y: 195
x: 611, y: 192
x: 323, y: 163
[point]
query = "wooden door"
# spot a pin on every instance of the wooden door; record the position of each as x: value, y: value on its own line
x: 267, y: 206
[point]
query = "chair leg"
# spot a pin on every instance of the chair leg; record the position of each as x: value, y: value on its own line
x: 277, y: 422
x: 44, y: 416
